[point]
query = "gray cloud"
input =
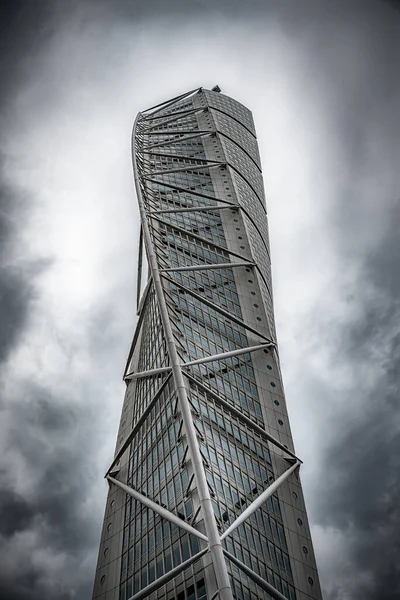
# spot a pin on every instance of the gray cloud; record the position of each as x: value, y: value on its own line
x: 359, y: 494
x: 17, y: 277
x: 46, y: 518
x: 49, y: 478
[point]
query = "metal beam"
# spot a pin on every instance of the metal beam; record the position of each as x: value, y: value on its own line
x: 208, y: 208
x: 139, y: 276
x: 200, y: 238
x: 188, y: 167
x: 172, y: 114
x: 177, y: 139
x: 224, y: 355
x: 199, y: 361
x: 138, y: 425
x: 194, y: 192
x: 144, y: 296
x: 139, y: 323
x: 149, y: 373
x: 185, y: 131
x: 207, y: 266
x: 238, y: 207
x: 263, y: 497
x: 267, y: 587
x: 217, y: 308
x: 168, y: 121
x: 166, y: 104
x: 234, y: 206
x: 155, y: 585
x: 242, y: 417
x: 181, y: 156
x: 163, y: 512
x: 217, y: 557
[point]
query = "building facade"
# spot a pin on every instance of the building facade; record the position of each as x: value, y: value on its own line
x: 204, y: 495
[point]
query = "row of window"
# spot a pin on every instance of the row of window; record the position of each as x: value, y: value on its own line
x: 241, y: 591
x: 226, y: 422
x: 160, y: 546
x: 206, y: 324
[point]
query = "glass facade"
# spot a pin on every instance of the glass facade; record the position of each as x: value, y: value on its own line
x: 204, y: 219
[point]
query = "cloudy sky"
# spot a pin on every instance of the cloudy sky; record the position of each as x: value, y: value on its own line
x: 321, y: 78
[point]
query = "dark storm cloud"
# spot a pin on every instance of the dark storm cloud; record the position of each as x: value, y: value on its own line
x: 46, y: 525
x: 360, y: 490
x: 16, y: 277
x: 24, y: 28
x: 52, y: 509
x: 353, y: 60
x: 49, y: 431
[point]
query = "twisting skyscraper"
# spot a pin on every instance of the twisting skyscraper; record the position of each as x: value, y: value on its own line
x: 205, y: 499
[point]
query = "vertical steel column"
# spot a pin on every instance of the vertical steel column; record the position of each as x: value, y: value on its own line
x: 216, y: 551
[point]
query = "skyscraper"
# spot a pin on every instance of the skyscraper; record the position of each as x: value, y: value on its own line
x: 205, y: 499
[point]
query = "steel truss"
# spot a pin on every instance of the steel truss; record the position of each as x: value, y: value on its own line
x: 200, y: 361
x: 180, y: 372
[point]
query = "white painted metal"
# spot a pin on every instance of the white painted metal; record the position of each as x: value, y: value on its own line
x: 149, y: 373
x: 216, y: 550
x: 217, y: 308
x: 206, y: 267
x: 201, y: 239
x: 188, y: 167
x: 228, y: 354
x: 144, y: 296
x: 177, y: 118
x: 139, y: 275
x: 267, y: 587
x: 229, y: 407
x: 166, y: 104
x: 138, y: 424
x: 208, y: 208
x: 271, y: 489
x: 199, y: 361
x: 177, y: 139
x: 163, y: 512
x: 155, y: 585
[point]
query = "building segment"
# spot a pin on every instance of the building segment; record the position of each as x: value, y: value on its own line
x: 204, y: 499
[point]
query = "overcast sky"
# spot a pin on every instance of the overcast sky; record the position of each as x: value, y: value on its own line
x: 322, y: 80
